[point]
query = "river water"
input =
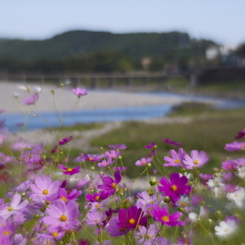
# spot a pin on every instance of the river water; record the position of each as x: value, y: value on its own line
x: 47, y: 120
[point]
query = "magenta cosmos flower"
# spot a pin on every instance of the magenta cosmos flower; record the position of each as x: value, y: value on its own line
x: 143, y: 161
x: 114, y: 230
x: 162, y: 215
x: 79, y: 92
x: 70, y: 171
x: 151, y: 145
x: 131, y: 218
x: 171, y: 142
x: 240, y: 134
x: 175, y: 187
x: 196, y: 160
x: 177, y: 158
x: 62, y: 214
x: 31, y: 100
x: 110, y: 185
x: 65, y: 140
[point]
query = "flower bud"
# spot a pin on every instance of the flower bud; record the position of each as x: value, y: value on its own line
x: 167, y: 199
x: 153, y: 181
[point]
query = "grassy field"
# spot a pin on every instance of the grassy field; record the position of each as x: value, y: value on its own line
x: 209, y: 129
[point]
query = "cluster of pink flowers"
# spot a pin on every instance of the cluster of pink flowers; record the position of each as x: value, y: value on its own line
x: 54, y: 199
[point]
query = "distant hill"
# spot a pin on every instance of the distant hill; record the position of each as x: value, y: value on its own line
x: 83, y: 43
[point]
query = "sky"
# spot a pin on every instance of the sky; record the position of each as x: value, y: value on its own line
x: 219, y: 20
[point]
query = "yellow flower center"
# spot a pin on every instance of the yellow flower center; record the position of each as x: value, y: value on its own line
x: 131, y: 221
x: 195, y: 162
x: 90, y: 159
x: 10, y: 209
x: 6, y: 233
x: 177, y: 161
x: 165, y: 218
x: 97, y: 198
x: 63, y: 218
x: 114, y: 185
x: 97, y: 205
x: 45, y: 192
x: 69, y: 169
x: 174, y: 188
x: 147, y: 236
x: 183, y: 204
x: 64, y: 199
x: 144, y: 163
x: 55, y: 233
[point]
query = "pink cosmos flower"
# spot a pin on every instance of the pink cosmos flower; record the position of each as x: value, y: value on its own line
x: 143, y: 161
x: 106, y: 163
x: 61, y: 214
x: 146, y: 201
x: 120, y: 169
x: 235, y: 146
x: 14, y: 207
x: 79, y: 92
x: 229, y: 165
x: 113, y: 154
x: 92, y: 157
x: 171, y: 142
x: 31, y: 100
x: 65, y: 140
x: 196, y: 160
x: 95, y: 217
x: 162, y: 215
x: 70, y: 171
x: 147, y: 236
x: 177, y: 158
x: 44, y: 188
x: 175, y: 187
x: 118, y: 146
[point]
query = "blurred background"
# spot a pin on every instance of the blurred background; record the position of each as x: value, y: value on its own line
x: 166, y: 45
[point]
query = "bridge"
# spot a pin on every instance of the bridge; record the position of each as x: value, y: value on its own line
x: 91, y: 80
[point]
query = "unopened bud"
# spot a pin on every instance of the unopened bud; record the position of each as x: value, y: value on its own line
x: 153, y: 181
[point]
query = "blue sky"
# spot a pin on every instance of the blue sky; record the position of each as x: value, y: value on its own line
x: 220, y: 20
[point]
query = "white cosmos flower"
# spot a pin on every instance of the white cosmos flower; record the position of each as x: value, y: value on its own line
x: 241, y: 172
x: 225, y: 228
x: 237, y: 196
x: 194, y: 217
x: 216, y: 185
x: 23, y: 87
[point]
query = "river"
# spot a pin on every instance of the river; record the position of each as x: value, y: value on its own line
x: 46, y: 120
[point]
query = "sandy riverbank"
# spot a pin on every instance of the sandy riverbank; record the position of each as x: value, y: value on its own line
x: 62, y: 99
